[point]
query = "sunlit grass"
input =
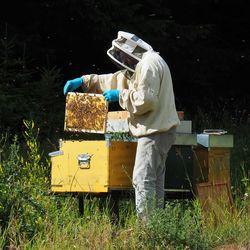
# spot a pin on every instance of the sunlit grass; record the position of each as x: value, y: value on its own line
x: 32, y: 218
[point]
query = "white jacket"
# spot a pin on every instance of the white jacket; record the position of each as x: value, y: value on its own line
x: 148, y: 96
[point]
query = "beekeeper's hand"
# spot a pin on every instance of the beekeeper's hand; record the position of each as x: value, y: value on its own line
x: 71, y: 85
x: 111, y: 95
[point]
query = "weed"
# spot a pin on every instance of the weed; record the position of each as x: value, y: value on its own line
x: 32, y: 219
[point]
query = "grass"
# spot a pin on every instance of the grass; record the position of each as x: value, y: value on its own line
x: 182, y: 225
x: 31, y: 218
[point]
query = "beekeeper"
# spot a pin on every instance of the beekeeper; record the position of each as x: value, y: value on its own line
x: 144, y: 88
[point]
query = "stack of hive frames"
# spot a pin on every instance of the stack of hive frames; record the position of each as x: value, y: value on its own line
x: 85, y: 112
x: 117, y: 121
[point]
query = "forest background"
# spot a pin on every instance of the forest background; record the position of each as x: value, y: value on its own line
x: 45, y: 43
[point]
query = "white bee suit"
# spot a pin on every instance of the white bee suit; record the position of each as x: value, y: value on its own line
x: 149, y: 97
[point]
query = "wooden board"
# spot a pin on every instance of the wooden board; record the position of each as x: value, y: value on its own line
x: 180, y: 115
x: 211, y: 165
x: 118, y: 115
x: 215, y: 196
x: 125, y: 114
x: 85, y: 113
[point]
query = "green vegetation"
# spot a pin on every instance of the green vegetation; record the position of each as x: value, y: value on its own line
x: 33, y: 218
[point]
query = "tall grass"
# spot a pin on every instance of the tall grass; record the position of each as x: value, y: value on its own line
x: 32, y: 218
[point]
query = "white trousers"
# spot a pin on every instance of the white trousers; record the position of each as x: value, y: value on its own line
x: 149, y: 171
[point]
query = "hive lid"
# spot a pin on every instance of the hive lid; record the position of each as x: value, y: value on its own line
x: 185, y: 139
x: 85, y: 112
x: 215, y: 141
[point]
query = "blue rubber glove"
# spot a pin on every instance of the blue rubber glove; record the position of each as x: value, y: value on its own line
x: 111, y: 95
x: 71, y: 85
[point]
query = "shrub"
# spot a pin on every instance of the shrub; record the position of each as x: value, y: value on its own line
x: 23, y: 184
x: 179, y: 225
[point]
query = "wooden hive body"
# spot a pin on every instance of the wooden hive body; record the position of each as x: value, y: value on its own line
x: 110, y: 166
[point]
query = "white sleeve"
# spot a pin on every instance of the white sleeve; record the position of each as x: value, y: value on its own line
x: 144, y: 95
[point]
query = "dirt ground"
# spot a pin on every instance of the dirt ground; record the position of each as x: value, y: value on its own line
x: 232, y: 247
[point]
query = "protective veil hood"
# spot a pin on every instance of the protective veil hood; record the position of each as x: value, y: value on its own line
x: 127, y: 50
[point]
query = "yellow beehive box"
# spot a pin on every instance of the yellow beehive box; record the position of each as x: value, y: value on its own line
x: 92, y: 166
x: 85, y: 112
